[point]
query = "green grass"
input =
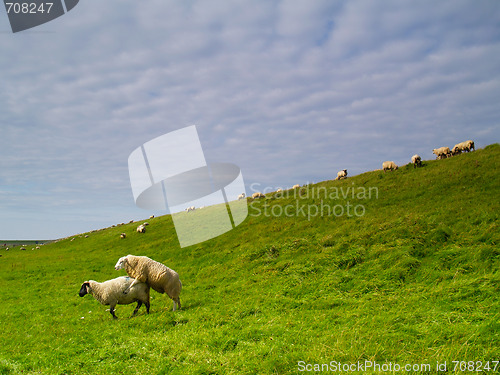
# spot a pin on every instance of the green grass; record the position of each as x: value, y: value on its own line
x: 413, y: 278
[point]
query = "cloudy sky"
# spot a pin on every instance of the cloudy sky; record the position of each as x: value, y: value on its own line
x: 290, y: 91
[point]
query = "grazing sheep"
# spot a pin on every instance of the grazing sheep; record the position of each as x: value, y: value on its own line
x: 156, y: 275
x: 123, y: 235
x: 466, y: 146
x: 441, y: 152
x: 145, y: 223
x: 152, y: 216
x: 111, y: 292
x: 341, y: 174
x: 258, y: 195
x: 189, y: 209
x: 389, y: 165
x: 241, y: 196
x: 141, y: 229
x: 279, y: 190
x: 416, y: 160
x: 295, y: 186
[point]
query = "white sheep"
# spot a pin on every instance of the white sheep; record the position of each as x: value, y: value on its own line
x: 279, y: 190
x: 466, y: 146
x: 141, y: 229
x: 441, y: 152
x: 152, y: 216
x: 123, y: 235
x: 241, y: 196
x: 189, y: 209
x: 341, y: 174
x: 111, y: 292
x: 416, y: 160
x: 295, y: 186
x: 156, y: 275
x: 258, y: 195
x: 389, y: 165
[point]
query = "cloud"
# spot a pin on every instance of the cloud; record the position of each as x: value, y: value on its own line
x: 290, y: 91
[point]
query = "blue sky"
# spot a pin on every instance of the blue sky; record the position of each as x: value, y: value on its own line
x: 290, y: 91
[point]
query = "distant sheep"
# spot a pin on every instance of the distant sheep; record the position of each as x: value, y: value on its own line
x: 279, y: 190
x: 441, y: 152
x: 155, y: 274
x: 341, y: 174
x: 416, y: 161
x: 123, y: 235
x: 241, y: 196
x: 189, y: 209
x: 141, y: 229
x: 258, y: 195
x: 295, y: 186
x: 111, y: 293
x: 466, y: 146
x: 152, y: 216
x: 389, y: 165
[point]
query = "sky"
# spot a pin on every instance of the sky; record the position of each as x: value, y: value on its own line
x: 289, y: 91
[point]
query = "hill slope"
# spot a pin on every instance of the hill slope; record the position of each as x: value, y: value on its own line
x: 398, y: 267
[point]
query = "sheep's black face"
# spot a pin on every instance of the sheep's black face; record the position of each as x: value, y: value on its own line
x: 84, y: 289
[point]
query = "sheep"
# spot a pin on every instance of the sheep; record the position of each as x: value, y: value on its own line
x: 155, y: 274
x: 123, y: 235
x: 389, y: 165
x: 279, y: 190
x: 189, y: 209
x: 145, y: 223
x: 258, y: 195
x: 152, y: 217
x: 111, y: 293
x: 441, y: 152
x: 462, y: 146
x: 295, y: 186
x: 241, y: 196
x: 416, y: 160
x: 341, y: 174
x: 141, y: 229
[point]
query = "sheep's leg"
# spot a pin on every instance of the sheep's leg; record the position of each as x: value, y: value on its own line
x: 147, y: 307
x: 112, y: 312
x: 139, y: 304
x: 130, y: 286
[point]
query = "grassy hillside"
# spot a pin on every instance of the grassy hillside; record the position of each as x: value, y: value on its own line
x: 392, y: 268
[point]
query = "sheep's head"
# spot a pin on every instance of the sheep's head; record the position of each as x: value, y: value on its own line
x: 85, y: 289
x: 121, y: 263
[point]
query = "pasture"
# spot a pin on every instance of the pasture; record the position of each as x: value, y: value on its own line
x: 410, y: 276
